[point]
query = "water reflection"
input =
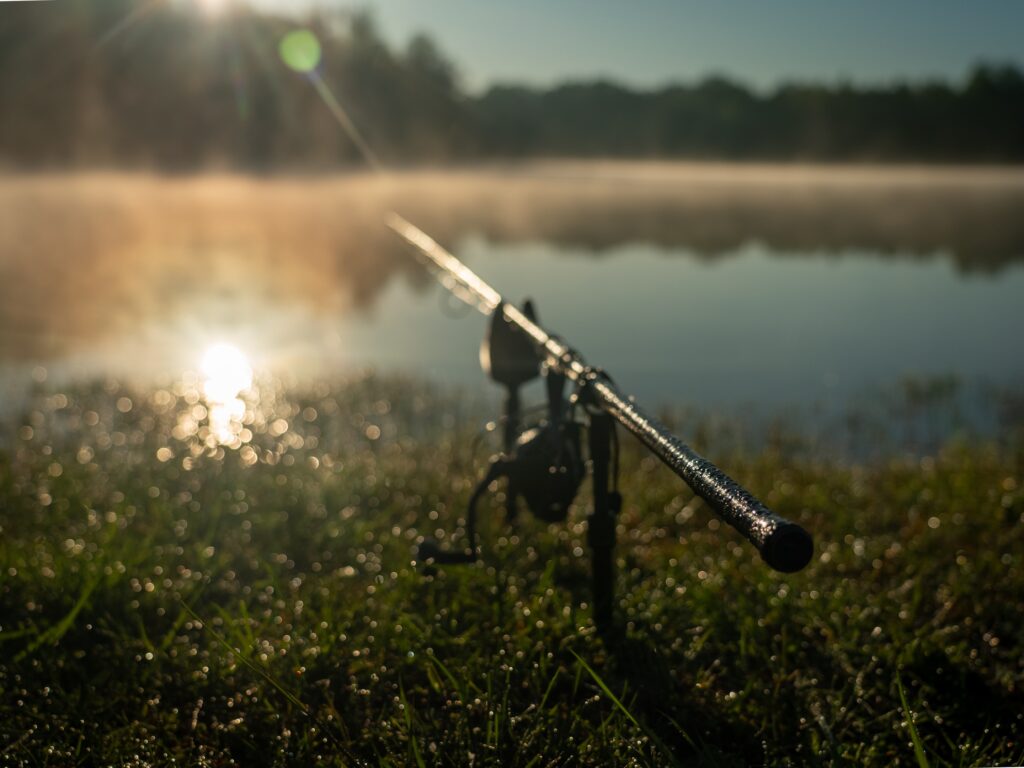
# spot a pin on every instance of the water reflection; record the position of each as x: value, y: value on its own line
x: 129, y: 275
x: 226, y: 376
x: 91, y: 257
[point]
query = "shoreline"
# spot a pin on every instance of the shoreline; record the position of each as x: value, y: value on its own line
x: 712, y: 172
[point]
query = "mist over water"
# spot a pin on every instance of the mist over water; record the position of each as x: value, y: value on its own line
x: 709, y: 286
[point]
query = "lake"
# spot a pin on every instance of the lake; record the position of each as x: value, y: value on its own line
x: 708, y: 286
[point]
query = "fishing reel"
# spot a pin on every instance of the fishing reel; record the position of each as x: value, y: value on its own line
x: 543, y: 463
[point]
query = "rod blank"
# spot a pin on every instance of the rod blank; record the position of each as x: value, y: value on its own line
x: 784, y: 545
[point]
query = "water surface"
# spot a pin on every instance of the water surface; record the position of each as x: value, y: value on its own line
x: 708, y: 286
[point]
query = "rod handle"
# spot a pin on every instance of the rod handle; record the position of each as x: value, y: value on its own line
x: 782, y: 544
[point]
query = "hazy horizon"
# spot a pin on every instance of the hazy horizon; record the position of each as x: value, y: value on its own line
x: 650, y: 44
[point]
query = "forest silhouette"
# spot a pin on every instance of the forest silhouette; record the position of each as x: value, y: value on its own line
x: 166, y: 86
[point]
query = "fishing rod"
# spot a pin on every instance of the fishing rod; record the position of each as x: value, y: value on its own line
x: 544, y: 465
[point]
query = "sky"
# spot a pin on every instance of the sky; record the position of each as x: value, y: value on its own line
x: 651, y: 42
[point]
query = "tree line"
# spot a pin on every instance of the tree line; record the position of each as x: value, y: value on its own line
x: 87, y: 83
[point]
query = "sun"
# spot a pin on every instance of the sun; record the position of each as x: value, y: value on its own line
x: 212, y: 7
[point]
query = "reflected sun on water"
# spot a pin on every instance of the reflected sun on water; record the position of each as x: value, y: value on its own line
x: 227, y: 375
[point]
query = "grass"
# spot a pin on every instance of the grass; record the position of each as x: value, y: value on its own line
x: 167, y: 601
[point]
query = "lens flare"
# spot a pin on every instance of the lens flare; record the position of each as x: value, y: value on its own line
x: 300, y: 50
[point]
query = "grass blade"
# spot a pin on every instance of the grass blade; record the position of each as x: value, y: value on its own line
x: 662, y: 747
x: 922, y: 759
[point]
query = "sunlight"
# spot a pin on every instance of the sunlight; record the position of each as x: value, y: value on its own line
x: 212, y: 7
x: 226, y: 375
